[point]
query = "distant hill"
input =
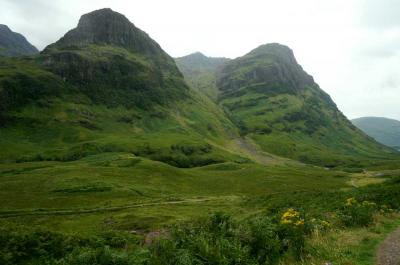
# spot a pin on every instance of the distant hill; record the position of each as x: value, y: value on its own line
x: 14, y: 44
x: 200, y: 72
x: 384, y: 130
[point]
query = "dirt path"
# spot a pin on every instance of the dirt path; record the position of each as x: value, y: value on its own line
x: 107, y: 209
x: 389, y: 250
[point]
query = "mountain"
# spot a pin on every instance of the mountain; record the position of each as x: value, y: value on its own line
x: 276, y: 103
x: 384, y: 130
x: 200, y: 72
x: 113, y: 62
x: 106, y: 86
x: 14, y: 44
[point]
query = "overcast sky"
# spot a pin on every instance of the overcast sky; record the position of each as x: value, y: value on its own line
x: 351, y: 47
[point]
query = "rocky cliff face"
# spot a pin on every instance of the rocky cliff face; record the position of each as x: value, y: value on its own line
x: 106, y: 86
x: 268, y: 65
x: 274, y: 101
x: 106, y: 27
x: 113, y: 62
x: 14, y: 44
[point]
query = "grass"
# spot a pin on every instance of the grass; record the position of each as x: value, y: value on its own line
x: 76, y: 164
x: 351, y: 246
x: 101, y: 193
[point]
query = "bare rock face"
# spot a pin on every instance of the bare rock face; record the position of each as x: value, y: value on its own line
x: 115, y: 63
x: 271, y: 64
x: 14, y: 44
x: 106, y: 26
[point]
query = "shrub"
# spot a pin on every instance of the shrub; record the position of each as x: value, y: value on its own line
x: 355, y: 213
x: 260, y: 234
x: 211, y: 241
x: 292, y: 232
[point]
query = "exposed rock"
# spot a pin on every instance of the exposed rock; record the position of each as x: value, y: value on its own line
x: 115, y: 63
x: 106, y: 26
x: 271, y: 63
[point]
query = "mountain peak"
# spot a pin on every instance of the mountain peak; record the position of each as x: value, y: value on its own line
x: 197, y: 54
x: 271, y: 63
x: 4, y: 27
x: 100, y: 18
x: 283, y: 52
x: 107, y: 27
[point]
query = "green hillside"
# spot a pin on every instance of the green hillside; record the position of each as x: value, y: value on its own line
x: 109, y: 155
x: 272, y: 100
x: 200, y: 72
x: 383, y: 130
x: 93, y: 92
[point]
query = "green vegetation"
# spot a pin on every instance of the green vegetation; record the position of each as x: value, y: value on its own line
x: 273, y: 101
x: 276, y: 233
x: 200, y: 72
x: 109, y: 157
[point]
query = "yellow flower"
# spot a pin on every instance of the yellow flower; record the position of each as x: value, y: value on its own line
x: 325, y: 223
x: 286, y: 221
x: 290, y: 213
x: 299, y: 222
x: 291, y: 216
x: 369, y: 204
x: 350, y: 202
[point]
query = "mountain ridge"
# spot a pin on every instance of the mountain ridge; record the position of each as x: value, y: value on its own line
x: 384, y: 130
x: 200, y: 71
x: 101, y: 89
x: 14, y: 44
x: 116, y: 62
x: 272, y: 100
x: 89, y: 96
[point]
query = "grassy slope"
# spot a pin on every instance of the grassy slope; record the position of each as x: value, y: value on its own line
x: 121, y: 179
x: 351, y: 246
x: 46, y: 118
x: 290, y: 115
x: 77, y: 153
x: 200, y: 72
x: 268, y: 121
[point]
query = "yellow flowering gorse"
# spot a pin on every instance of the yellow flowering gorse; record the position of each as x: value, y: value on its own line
x: 292, y: 216
x: 350, y: 202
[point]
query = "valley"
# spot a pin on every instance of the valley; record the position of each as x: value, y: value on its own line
x: 113, y: 152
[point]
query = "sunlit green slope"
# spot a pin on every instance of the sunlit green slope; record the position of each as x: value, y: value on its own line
x: 106, y: 86
x: 272, y: 100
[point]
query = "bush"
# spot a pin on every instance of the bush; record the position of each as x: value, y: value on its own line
x: 211, y: 241
x: 292, y: 232
x: 104, y: 256
x: 354, y: 213
x: 263, y: 240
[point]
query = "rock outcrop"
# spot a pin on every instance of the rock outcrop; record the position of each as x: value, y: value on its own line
x: 115, y: 63
x: 270, y: 64
x: 107, y: 27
